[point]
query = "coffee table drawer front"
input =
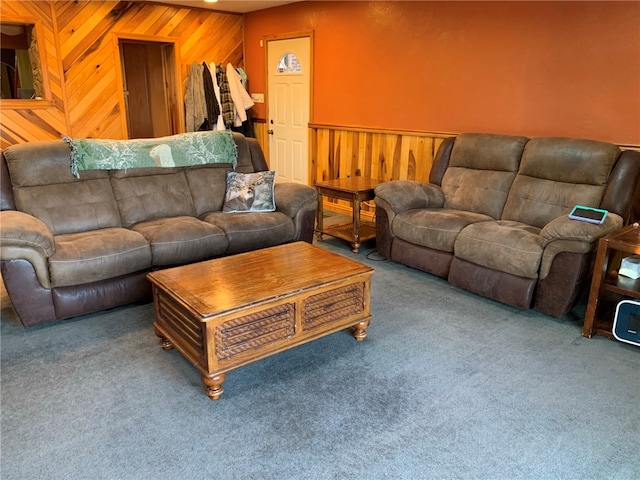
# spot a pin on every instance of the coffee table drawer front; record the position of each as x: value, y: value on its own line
x: 255, y: 331
x: 332, y: 305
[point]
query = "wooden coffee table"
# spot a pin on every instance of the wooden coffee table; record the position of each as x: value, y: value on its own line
x: 225, y: 313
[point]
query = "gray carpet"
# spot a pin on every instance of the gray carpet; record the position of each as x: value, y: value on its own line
x: 447, y: 385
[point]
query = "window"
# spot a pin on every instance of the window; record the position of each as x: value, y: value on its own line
x: 22, y: 79
x: 289, y: 64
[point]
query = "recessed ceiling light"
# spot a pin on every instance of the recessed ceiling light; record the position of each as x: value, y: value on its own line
x: 210, y: 1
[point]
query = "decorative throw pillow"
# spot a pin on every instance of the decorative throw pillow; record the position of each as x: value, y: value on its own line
x: 249, y: 192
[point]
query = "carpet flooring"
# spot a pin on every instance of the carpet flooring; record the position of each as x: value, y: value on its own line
x: 447, y: 385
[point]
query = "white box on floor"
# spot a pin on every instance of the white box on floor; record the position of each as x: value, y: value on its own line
x: 630, y: 267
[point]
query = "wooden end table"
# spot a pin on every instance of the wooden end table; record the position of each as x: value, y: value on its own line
x: 355, y: 190
x: 607, y: 287
x: 228, y: 312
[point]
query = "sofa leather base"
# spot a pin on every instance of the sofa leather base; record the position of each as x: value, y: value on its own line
x: 36, y: 305
x: 384, y: 238
x: 307, y: 226
x: 500, y: 286
x: 31, y: 302
x: 428, y: 260
x: 560, y: 291
x: 92, y: 297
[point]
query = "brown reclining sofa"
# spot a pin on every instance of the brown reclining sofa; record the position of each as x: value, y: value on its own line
x: 72, y: 246
x: 494, y: 217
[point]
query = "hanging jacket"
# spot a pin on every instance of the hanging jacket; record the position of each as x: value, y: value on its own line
x: 194, y: 101
x: 216, y: 88
x: 241, y: 99
x: 226, y: 102
x: 213, y: 110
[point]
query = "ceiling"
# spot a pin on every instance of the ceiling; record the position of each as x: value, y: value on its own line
x: 235, y: 6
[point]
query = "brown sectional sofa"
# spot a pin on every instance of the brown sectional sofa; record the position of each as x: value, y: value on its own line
x: 494, y: 217
x: 73, y: 246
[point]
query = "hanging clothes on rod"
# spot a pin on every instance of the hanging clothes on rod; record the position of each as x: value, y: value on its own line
x: 241, y: 99
x: 216, y: 98
x: 226, y: 101
x: 219, y: 120
x: 195, y: 105
x: 213, y: 109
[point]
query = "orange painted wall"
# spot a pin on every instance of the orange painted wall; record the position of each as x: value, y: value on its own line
x: 531, y: 68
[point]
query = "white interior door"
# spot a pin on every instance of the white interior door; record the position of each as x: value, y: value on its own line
x: 289, y: 81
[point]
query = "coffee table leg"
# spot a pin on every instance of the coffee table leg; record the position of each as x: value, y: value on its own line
x: 214, y: 385
x: 360, y: 330
x: 164, y: 342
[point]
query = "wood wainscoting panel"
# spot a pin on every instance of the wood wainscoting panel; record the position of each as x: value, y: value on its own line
x: 260, y: 133
x: 344, y: 152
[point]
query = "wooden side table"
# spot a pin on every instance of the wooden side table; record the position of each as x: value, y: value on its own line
x: 607, y: 287
x: 354, y: 190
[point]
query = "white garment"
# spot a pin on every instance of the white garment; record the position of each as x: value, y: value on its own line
x: 241, y: 98
x: 216, y: 88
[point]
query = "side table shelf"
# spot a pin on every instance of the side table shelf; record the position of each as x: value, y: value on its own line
x: 607, y: 287
x: 355, y: 190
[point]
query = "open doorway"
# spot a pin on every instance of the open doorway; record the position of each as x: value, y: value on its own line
x: 150, y: 90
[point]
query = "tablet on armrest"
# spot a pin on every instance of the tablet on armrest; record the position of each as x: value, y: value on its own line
x: 588, y: 214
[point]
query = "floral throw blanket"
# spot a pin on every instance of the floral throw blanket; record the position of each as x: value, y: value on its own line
x: 184, y: 149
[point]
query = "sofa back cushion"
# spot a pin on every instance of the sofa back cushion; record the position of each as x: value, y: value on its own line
x: 245, y: 154
x: 44, y: 187
x: 150, y: 193
x: 481, y: 170
x: 557, y: 173
x: 208, y: 185
x: 208, y: 182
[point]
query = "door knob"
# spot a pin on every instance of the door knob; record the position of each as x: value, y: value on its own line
x: 270, y: 132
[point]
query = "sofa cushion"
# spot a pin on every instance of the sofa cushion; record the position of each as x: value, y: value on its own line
x: 506, y: 246
x: 435, y: 228
x: 43, y: 163
x: 43, y: 186
x: 249, y: 192
x: 481, y: 170
x: 556, y: 174
x: 97, y: 255
x: 180, y: 240
x: 250, y: 231
x: 146, y: 194
x: 207, y: 185
x: 71, y: 207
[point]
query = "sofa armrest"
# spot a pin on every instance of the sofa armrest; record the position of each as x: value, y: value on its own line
x: 563, y: 234
x: 402, y: 195
x: 564, y: 228
x: 23, y: 236
x: 300, y: 203
x: 291, y: 198
x: 20, y: 229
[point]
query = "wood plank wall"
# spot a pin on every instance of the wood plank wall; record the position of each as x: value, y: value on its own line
x: 82, y: 61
